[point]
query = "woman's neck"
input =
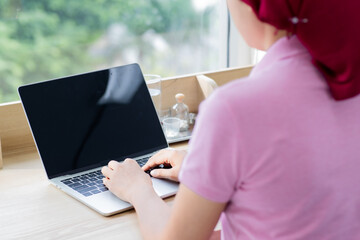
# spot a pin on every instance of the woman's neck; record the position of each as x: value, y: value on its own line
x: 272, y: 35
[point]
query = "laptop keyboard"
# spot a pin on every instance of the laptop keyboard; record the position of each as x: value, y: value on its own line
x: 91, y: 183
x: 87, y: 184
x: 142, y: 161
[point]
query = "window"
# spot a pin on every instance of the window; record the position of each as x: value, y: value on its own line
x: 41, y: 39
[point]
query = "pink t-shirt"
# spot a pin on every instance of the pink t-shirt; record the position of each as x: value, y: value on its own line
x: 281, y: 153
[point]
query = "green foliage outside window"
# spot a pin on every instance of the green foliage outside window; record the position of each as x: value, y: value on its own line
x: 44, y: 39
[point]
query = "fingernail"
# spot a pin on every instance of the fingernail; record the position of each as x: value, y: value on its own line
x: 153, y: 173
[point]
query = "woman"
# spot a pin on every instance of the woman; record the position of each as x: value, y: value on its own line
x: 276, y: 154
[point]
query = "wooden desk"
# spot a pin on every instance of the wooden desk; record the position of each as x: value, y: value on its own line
x: 32, y: 208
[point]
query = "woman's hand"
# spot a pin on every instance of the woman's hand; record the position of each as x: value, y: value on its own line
x: 126, y: 179
x: 169, y: 158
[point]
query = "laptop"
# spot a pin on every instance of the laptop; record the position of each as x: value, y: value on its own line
x: 81, y: 122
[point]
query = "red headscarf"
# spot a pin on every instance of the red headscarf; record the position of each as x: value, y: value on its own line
x: 328, y: 29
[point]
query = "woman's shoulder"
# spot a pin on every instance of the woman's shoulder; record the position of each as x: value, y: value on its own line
x: 284, y: 80
x: 246, y: 90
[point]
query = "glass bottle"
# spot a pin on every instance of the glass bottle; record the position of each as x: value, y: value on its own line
x: 181, y: 111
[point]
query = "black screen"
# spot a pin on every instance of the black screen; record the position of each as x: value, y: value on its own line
x: 83, y: 121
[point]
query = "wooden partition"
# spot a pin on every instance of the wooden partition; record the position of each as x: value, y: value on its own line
x: 1, y: 160
x: 15, y: 135
x: 14, y: 130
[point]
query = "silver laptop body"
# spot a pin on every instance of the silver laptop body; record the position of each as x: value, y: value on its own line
x: 81, y: 122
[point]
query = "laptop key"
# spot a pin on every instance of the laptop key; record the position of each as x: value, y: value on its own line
x: 80, y: 187
x: 142, y: 161
x: 95, y: 191
x: 88, y: 189
x: 74, y: 185
x: 87, y: 194
x: 103, y: 189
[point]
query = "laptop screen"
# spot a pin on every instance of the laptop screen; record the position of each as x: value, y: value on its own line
x: 83, y: 121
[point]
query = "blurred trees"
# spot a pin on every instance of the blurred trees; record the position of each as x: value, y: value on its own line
x: 43, y: 39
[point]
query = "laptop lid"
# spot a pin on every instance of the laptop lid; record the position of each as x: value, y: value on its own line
x: 82, y: 122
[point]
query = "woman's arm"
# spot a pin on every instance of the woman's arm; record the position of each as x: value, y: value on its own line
x: 191, y: 217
